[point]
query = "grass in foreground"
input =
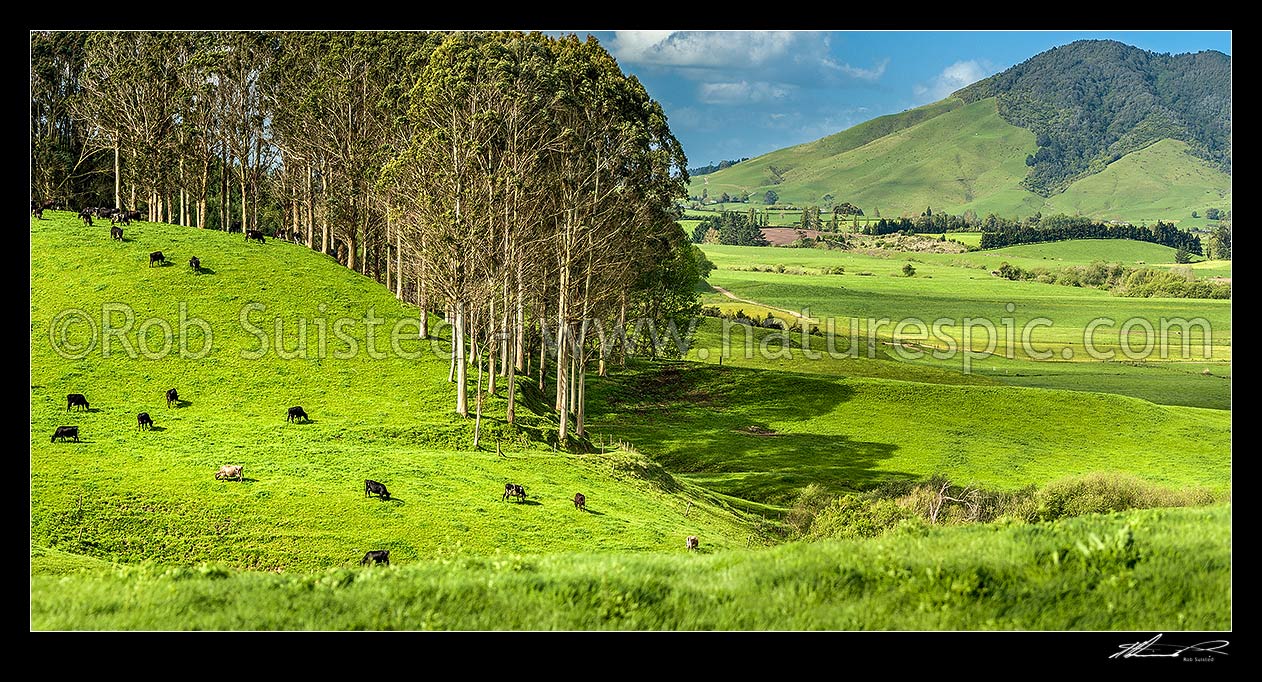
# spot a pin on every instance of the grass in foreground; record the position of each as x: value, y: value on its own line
x: 1142, y: 570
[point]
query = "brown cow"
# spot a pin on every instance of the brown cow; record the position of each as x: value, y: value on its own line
x: 580, y: 502
x: 691, y: 542
x: 230, y: 471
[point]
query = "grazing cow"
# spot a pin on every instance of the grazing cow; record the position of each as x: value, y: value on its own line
x: 120, y: 217
x: 256, y: 235
x: 580, y: 502
x: 105, y: 211
x: 514, y: 490
x: 157, y: 257
x: 376, y: 556
x: 295, y: 413
x: 173, y: 397
x: 38, y: 212
x: 64, y: 432
x: 133, y: 215
x: 230, y: 471
x: 195, y: 264
x: 116, y: 233
x: 691, y: 542
x: 76, y: 400
x: 235, y: 226
x: 372, y: 487
x: 144, y: 421
x: 86, y: 216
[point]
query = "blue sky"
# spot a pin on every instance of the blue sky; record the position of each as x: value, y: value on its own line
x: 730, y: 94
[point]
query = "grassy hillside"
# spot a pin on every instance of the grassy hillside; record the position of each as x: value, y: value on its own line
x: 968, y: 158
x: 766, y: 170
x: 959, y: 156
x: 1143, y: 570
x: 126, y: 495
x: 1160, y: 181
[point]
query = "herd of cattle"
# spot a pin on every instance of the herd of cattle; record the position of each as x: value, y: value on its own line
x: 235, y: 471
x: 295, y: 413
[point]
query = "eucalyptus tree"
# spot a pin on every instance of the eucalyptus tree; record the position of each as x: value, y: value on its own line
x: 62, y: 165
x: 125, y: 99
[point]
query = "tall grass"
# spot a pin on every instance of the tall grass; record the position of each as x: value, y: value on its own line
x: 1144, y: 570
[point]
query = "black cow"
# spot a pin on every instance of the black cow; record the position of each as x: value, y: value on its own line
x: 76, y: 400
x: 64, y: 432
x: 234, y: 226
x: 195, y: 264
x: 120, y: 217
x: 116, y: 233
x: 372, y: 487
x: 580, y: 502
x: 376, y: 556
x: 104, y: 211
x: 256, y: 235
x: 86, y: 216
x: 514, y: 490
x: 133, y: 215
x: 296, y: 413
x: 173, y: 397
x: 156, y: 257
x: 144, y: 421
x: 38, y: 212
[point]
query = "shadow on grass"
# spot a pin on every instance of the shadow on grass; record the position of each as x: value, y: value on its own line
x: 528, y: 503
x: 181, y: 403
x: 593, y: 512
x: 303, y: 422
x: 714, y: 427
x: 155, y: 428
x: 203, y: 270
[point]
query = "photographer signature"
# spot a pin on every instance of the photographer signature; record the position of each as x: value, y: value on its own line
x: 1153, y: 649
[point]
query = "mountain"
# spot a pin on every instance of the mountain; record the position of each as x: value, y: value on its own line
x: 1096, y: 127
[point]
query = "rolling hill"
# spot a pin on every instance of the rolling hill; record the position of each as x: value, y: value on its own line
x: 1014, y: 145
x: 126, y: 495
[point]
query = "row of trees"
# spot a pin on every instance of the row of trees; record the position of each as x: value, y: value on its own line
x: 521, y: 185
x: 1058, y: 230
x: 715, y: 167
x: 729, y: 227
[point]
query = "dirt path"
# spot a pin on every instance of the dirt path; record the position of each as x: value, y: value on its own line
x: 734, y: 297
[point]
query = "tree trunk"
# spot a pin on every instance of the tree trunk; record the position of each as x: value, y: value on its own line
x: 622, y: 330
x: 327, y: 243
x: 519, y: 332
x: 477, y: 421
x: 462, y: 368
x: 310, y: 207
x: 580, y: 399
x: 492, y: 348
x: 398, y: 263
x: 183, y: 218
x: 423, y: 297
x: 118, y: 179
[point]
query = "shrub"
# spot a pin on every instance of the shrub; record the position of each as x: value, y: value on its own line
x: 854, y: 516
x: 909, y: 270
x: 1110, y: 492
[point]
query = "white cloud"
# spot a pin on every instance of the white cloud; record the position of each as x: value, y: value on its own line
x: 738, y: 49
x: 873, y: 74
x: 952, y: 78
x: 742, y: 92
